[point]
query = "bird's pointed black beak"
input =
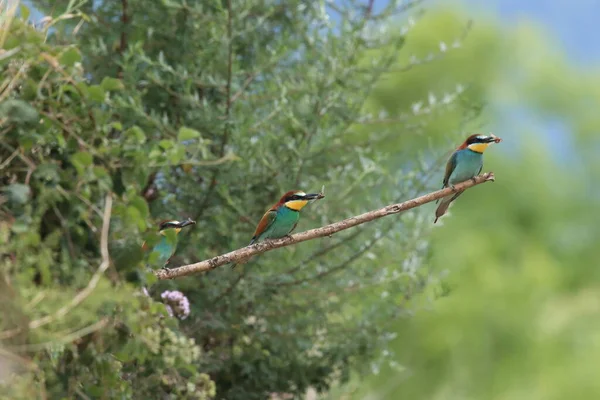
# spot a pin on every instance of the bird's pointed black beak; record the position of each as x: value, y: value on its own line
x: 313, y: 196
x: 493, y: 139
x: 187, y: 222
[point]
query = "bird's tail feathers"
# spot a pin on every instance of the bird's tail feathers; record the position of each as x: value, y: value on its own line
x: 443, y: 187
x: 444, y: 204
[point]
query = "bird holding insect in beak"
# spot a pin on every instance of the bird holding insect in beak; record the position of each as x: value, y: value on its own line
x: 167, y: 245
x: 464, y: 164
x: 281, y: 219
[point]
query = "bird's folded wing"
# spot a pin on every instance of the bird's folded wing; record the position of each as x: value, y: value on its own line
x: 265, y: 222
x: 450, y: 166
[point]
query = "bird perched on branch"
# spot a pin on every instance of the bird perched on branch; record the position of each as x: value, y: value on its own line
x: 281, y: 219
x: 167, y: 245
x: 464, y: 164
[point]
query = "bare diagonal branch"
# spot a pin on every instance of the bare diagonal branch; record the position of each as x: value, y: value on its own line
x: 328, y: 230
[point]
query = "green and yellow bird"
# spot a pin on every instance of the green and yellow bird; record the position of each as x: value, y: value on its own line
x: 281, y: 219
x: 167, y: 245
x: 464, y: 164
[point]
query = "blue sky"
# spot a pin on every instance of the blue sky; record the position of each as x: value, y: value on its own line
x: 573, y: 23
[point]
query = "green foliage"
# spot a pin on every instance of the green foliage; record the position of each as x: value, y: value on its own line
x: 196, y: 109
x: 517, y: 313
x: 61, y: 161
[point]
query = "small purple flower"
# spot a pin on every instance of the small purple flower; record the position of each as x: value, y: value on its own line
x: 177, y: 304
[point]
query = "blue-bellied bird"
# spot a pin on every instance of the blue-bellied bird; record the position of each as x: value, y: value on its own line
x: 167, y: 245
x: 281, y: 219
x: 464, y: 164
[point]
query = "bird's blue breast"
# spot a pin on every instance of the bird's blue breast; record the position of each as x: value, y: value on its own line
x: 164, y: 249
x: 283, y: 224
x: 468, y: 164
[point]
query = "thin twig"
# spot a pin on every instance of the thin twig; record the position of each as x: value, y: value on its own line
x: 229, y: 75
x: 432, y: 57
x: 257, y: 124
x: 369, y: 9
x: 125, y: 21
x: 9, y: 159
x: 123, y: 39
x: 66, y: 339
x: 215, y: 174
x: 230, y: 287
x: 55, y: 64
x: 81, y: 296
x: 80, y: 197
x: 83, y: 395
x: 327, y: 230
x: 338, y: 267
x: 65, y: 227
x: 247, y: 83
x: 322, y: 252
x: 35, y: 301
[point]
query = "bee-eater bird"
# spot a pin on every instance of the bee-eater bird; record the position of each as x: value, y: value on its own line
x: 167, y: 245
x: 281, y: 219
x: 465, y: 163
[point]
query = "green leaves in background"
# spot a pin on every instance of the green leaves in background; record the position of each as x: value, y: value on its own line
x: 187, y: 134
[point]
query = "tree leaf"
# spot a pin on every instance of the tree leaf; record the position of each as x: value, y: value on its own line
x: 112, y: 84
x: 17, y: 192
x: 96, y: 93
x: 81, y: 160
x: 136, y: 133
x: 18, y: 111
x: 139, y: 203
x: 187, y: 134
x: 70, y: 57
x: 24, y: 10
x: 166, y: 144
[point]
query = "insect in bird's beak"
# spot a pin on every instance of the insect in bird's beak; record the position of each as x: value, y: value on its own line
x: 313, y: 196
x: 493, y: 139
x: 187, y: 222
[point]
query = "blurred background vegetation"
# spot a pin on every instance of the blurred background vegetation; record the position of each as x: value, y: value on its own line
x: 144, y: 111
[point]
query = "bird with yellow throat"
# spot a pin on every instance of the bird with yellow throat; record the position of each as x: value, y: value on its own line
x: 167, y: 245
x: 464, y: 164
x: 281, y: 219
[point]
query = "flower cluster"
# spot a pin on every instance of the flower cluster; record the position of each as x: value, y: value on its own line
x: 177, y: 304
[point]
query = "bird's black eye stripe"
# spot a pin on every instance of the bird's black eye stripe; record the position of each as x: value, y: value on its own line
x: 166, y: 225
x: 477, y: 139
